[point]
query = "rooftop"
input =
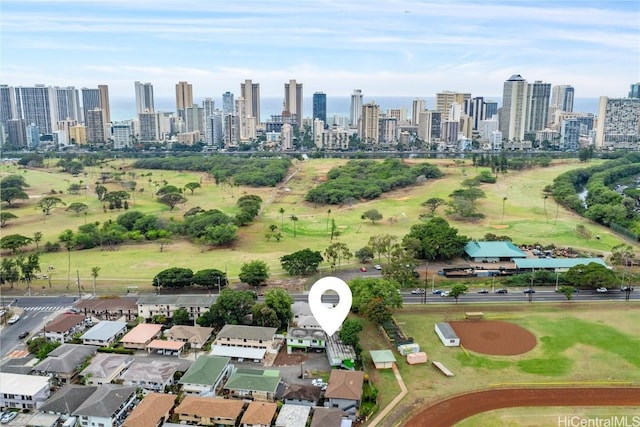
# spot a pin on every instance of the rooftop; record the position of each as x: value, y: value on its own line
x: 238, y: 352
x: 150, y: 410
x: 261, y: 413
x: 382, y: 356
x: 293, y: 416
x: 345, y: 385
x: 142, y: 333
x: 155, y: 371
x: 447, y: 331
x: 549, y: 263
x: 66, y: 358
x: 106, y: 400
x: 26, y: 385
x: 192, y: 334
x: 327, y: 417
x: 177, y: 300
x: 107, y: 304
x: 104, y: 330
x: 64, y: 323
x: 210, y: 407
x: 166, y: 345
x: 493, y: 250
x: 205, y: 370
x: 254, y: 379
x: 67, y: 399
x: 254, y: 333
x: 105, y: 364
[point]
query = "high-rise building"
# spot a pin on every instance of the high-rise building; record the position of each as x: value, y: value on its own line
x: 68, y: 101
x: 184, y: 98
x: 356, y: 107
x: 95, y: 126
x: 208, y: 108
x: 7, y: 104
x: 562, y: 98
x: 320, y: 106
x: 634, y: 90
x: 17, y: 132
x: 570, y: 135
x: 194, y: 118
x: 368, y: 124
x: 90, y: 101
x: 514, y: 108
x: 122, y: 135
x: 293, y: 101
x: 475, y: 109
x: 446, y: 98
x: 227, y: 103
x: 417, y: 106
x: 106, y: 109
x: 538, y: 95
x: 149, y: 126
x: 618, y: 120
x: 429, y: 129
x: 215, y: 129
x: 144, y: 98
x: 37, y: 105
x: 251, y: 93
x: 388, y: 130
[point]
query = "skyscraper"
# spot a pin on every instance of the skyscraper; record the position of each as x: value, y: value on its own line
x: 320, y: 106
x: 227, y: 103
x: 68, y: 101
x: 634, y: 90
x: 106, y: 110
x: 36, y: 105
x: 293, y: 101
x: 475, y: 109
x: 7, y: 104
x: 417, y: 106
x: 446, y: 98
x: 514, y: 108
x: 184, y: 98
x: 369, y: 128
x: 356, y: 107
x: 144, y: 98
x: 618, y: 120
x: 538, y: 94
x: 90, y: 101
x: 251, y: 93
x: 95, y: 126
x: 562, y: 98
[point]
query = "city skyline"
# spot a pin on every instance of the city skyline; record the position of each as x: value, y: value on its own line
x: 400, y: 48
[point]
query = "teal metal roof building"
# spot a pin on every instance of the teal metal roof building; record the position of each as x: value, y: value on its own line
x: 493, y: 251
x: 555, y: 264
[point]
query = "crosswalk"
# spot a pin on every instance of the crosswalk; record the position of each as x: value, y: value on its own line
x: 46, y: 308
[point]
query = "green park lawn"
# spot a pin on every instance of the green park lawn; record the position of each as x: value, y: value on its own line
x: 527, y: 219
x: 578, y: 343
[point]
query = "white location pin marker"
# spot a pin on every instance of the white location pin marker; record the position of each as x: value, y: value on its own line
x: 330, y: 319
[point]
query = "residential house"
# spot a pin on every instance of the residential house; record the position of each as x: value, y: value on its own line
x: 303, y: 317
x: 23, y: 391
x: 330, y: 417
x: 344, y: 391
x: 305, y: 395
x: 206, y: 376
x: 253, y: 384
x: 64, y: 327
x: 195, y: 336
x: 152, y: 374
x: 206, y: 411
x: 305, y: 339
x: 259, y: 414
x: 293, y: 416
x: 117, y: 308
x: 65, y: 401
x: 152, y: 411
x: 138, y: 337
x: 244, y: 342
x: 104, y: 368
x: 168, y: 348
x: 104, y: 333
x: 64, y: 363
x: 165, y: 305
x: 108, y: 406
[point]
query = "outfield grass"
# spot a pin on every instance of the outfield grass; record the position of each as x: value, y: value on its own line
x: 525, y: 218
x: 577, y: 343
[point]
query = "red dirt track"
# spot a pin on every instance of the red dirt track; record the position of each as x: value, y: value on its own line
x: 494, y: 337
x: 448, y: 412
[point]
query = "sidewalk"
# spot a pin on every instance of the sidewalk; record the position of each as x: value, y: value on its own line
x: 394, y: 402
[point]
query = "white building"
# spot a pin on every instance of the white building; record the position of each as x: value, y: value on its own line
x: 23, y: 391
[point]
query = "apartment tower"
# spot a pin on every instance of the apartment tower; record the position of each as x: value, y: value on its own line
x: 144, y: 98
x: 184, y: 98
x: 514, y: 108
x: 293, y: 101
x: 251, y: 93
x: 356, y: 107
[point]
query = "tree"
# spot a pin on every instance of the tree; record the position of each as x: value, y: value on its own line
x: 567, y: 291
x: 13, y: 181
x: 191, y: 186
x: 11, y: 194
x: 167, y: 189
x: 13, y: 242
x: 381, y: 245
x: 9, y: 271
x: 230, y: 308
x: 116, y: 198
x: 433, y: 203
x: 458, y: 290
x: 590, y: 276
x: 280, y: 302
x: 181, y: 317
x: 265, y: 316
x: 254, y: 272
x: 336, y: 252
x: 219, y: 235
x: 174, y: 277
x: 101, y: 190
x: 622, y: 254
x: 378, y: 311
x: 281, y: 212
x: 401, y: 266
x: 67, y: 238
x: 74, y: 188
x: 77, y: 207
x: 210, y: 278
x: 94, y: 275
x: 37, y: 238
x: 301, y: 262
x: 373, y: 215
x: 172, y: 199
x: 438, y: 240
x: 364, y: 290
x: 49, y: 202
x: 28, y: 267
x: 364, y: 254
x: 348, y: 334
x: 294, y: 219
x: 6, y: 216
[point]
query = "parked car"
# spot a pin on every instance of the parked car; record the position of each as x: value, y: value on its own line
x: 418, y: 291
x: 502, y: 291
x: 23, y: 335
x: 436, y: 292
x: 529, y: 291
x: 377, y: 267
x: 483, y: 291
x: 7, y: 417
x: 602, y: 290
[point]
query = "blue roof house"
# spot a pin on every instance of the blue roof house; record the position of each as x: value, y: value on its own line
x: 493, y: 251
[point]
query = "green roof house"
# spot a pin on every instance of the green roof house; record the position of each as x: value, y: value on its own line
x: 254, y: 384
x: 206, y: 376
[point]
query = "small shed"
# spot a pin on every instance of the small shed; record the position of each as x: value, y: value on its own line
x: 415, y: 358
x: 382, y: 359
x: 447, y: 335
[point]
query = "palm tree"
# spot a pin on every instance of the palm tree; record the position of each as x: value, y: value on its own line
x: 281, y: 211
x: 504, y: 199
x: 94, y: 274
x: 328, y: 215
x: 294, y: 219
x: 545, y: 208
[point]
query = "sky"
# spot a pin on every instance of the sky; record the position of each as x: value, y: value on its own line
x: 386, y: 48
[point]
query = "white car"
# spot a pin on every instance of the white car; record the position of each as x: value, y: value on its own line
x: 602, y: 290
x: 444, y: 294
x: 13, y: 319
x: 8, y: 416
x: 377, y: 267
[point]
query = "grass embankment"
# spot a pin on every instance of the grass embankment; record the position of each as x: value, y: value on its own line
x: 527, y: 219
x: 578, y: 343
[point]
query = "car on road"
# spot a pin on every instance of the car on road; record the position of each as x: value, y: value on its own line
x: 483, y: 291
x: 7, y: 417
x: 377, y: 267
x: 418, y: 291
x: 529, y: 291
x: 23, y: 335
x: 502, y: 291
x: 444, y: 294
x: 436, y: 292
x: 363, y: 269
x: 602, y: 290
x: 13, y: 319
x: 626, y: 288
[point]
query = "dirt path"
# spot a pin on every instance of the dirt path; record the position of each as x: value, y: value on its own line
x: 450, y: 411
